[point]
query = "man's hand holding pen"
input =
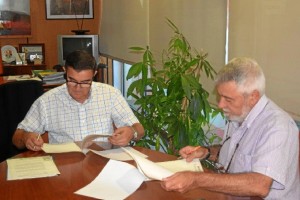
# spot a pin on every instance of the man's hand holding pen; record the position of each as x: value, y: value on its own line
x: 191, y: 152
x: 33, y: 141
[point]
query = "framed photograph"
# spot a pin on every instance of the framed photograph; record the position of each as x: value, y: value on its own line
x: 33, y: 51
x: 69, y: 9
x: 15, y: 18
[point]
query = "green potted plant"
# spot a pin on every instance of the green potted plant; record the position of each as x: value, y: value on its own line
x: 171, y: 103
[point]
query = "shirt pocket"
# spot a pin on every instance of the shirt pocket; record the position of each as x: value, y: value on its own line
x: 241, y: 162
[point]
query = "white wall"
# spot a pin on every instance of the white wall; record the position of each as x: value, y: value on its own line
x: 127, y: 23
x: 269, y: 32
x: 203, y: 23
x: 124, y: 24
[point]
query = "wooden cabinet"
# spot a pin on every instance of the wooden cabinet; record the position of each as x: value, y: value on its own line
x: 21, y: 69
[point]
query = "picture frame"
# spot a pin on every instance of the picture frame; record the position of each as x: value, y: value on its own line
x: 15, y: 19
x: 69, y: 9
x: 33, y: 51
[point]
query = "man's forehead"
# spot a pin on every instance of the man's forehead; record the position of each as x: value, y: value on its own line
x: 228, y: 89
x: 80, y: 75
x: 227, y: 86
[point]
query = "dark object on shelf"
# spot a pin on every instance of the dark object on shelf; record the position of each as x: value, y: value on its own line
x: 80, y: 32
x: 58, y: 68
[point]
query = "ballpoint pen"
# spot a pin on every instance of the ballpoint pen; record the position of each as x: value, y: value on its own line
x: 38, y: 137
x: 190, y: 152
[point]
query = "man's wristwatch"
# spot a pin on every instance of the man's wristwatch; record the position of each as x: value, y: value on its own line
x: 135, y: 134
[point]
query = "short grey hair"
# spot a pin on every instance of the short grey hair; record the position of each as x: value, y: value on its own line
x: 246, y: 73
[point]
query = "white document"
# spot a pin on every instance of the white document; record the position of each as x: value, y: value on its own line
x: 72, y: 146
x: 182, y: 165
x: 61, y: 148
x: 116, y: 181
x: 87, y: 141
x: 33, y: 167
x: 118, y: 154
x: 158, y: 171
x: 119, y: 179
x: 149, y: 168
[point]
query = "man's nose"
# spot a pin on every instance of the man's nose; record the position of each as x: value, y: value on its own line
x: 221, y: 103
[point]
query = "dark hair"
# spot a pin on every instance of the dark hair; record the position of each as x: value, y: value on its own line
x: 80, y: 60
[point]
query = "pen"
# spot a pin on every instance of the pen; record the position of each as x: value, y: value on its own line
x: 38, y: 137
x: 190, y: 152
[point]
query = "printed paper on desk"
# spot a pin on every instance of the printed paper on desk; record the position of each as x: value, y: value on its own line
x: 118, y: 154
x: 116, y: 181
x: 32, y: 167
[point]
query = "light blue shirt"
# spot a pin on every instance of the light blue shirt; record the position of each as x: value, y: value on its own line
x: 268, y: 144
x: 68, y: 120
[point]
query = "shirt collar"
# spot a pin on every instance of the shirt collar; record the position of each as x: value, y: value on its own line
x: 256, y: 110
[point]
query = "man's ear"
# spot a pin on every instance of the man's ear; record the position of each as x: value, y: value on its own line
x: 255, y: 96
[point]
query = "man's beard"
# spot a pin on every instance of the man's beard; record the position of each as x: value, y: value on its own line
x: 235, y: 118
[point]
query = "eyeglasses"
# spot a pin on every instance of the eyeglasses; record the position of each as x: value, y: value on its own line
x: 217, y: 167
x: 82, y: 85
x: 214, y: 166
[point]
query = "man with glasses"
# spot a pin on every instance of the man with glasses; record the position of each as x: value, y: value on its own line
x: 259, y: 155
x: 78, y: 108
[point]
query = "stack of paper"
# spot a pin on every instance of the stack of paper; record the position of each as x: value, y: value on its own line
x: 33, y: 167
x: 54, y: 78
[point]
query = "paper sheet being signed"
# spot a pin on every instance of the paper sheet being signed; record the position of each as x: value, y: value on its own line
x: 72, y: 146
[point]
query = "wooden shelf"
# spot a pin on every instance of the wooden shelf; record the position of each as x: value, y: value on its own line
x: 21, y: 69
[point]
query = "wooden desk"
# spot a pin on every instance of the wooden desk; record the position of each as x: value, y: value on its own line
x: 21, y: 69
x: 78, y: 170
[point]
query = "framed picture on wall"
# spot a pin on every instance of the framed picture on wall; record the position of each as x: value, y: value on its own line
x: 69, y: 9
x: 33, y: 51
x: 15, y: 18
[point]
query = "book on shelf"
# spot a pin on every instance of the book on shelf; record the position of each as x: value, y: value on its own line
x: 54, y: 81
x: 42, y: 73
x: 50, y: 76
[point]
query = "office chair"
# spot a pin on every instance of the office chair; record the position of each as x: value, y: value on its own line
x: 15, y: 100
